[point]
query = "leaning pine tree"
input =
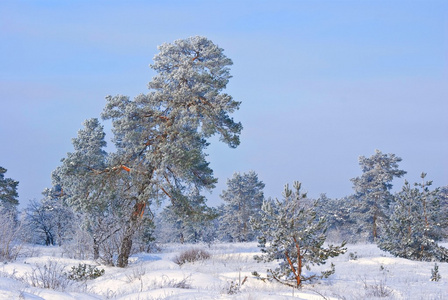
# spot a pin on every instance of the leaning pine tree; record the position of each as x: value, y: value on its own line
x: 161, y: 136
x: 292, y: 233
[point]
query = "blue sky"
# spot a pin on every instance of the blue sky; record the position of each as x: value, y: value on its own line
x: 321, y: 83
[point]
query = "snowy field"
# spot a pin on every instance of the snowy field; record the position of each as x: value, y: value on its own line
x: 364, y: 272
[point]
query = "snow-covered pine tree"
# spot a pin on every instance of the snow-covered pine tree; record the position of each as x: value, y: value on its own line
x: 373, y: 189
x: 243, y: 200
x: 341, y: 216
x: 8, y: 194
x: 413, y: 229
x: 86, y: 185
x: 10, y: 231
x: 443, y: 196
x: 161, y: 136
x: 291, y: 232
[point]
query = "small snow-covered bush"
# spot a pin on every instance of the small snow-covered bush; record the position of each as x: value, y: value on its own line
x: 179, y: 284
x: 353, y: 256
x: 137, y: 273
x: 166, y: 282
x: 235, y: 287
x: 84, y: 272
x: 48, y: 276
x: 377, y: 289
x: 191, y: 255
x: 435, y: 275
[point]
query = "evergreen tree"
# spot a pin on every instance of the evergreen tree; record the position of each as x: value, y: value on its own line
x: 243, y: 200
x: 90, y: 191
x: 79, y: 177
x: 291, y: 232
x: 341, y: 215
x: 373, y: 188
x: 414, y: 224
x: 161, y: 136
x: 443, y: 196
x: 8, y: 193
x: 10, y: 227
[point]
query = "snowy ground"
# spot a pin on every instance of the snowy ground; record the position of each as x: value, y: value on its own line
x: 366, y: 273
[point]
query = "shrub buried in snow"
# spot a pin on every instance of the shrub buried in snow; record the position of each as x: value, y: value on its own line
x: 191, y: 255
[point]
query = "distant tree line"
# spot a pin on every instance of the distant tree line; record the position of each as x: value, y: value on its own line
x: 408, y: 223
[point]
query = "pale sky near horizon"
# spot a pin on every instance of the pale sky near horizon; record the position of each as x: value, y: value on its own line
x: 321, y: 83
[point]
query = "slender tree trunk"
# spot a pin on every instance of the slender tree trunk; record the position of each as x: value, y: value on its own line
x: 299, y: 262
x: 59, y: 234
x: 293, y: 269
x: 245, y: 233
x: 409, y: 226
x: 181, y: 238
x: 96, y: 249
x: 375, y: 229
x: 297, y: 272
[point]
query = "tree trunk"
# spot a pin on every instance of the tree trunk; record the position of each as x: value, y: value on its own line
x: 297, y: 272
x: 126, y: 245
x: 374, y: 233
x: 96, y: 249
x: 181, y: 238
x: 49, y: 241
x: 299, y: 263
x: 125, y: 252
